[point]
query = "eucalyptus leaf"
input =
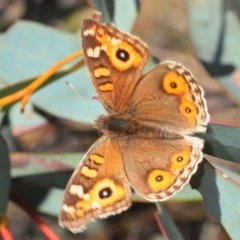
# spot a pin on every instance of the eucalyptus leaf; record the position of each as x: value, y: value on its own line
x: 220, y: 196
x: 122, y: 13
x: 219, y: 52
x: 222, y: 141
x: 4, y: 176
x: 168, y: 227
x: 35, y: 164
x: 38, y: 49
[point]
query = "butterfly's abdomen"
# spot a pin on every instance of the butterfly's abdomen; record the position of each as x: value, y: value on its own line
x: 117, y: 124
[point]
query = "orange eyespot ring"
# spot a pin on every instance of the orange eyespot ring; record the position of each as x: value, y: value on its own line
x: 100, y: 35
x: 106, y: 192
x: 175, y: 84
x: 180, y: 159
x: 188, y: 110
x: 123, y: 56
x: 160, y: 180
x: 103, y: 194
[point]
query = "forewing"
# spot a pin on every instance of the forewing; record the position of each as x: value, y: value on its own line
x: 97, y: 188
x: 115, y: 61
x: 170, y: 97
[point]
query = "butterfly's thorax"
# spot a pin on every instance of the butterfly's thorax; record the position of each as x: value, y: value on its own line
x: 116, y: 124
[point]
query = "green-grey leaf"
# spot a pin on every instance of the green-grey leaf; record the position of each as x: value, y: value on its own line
x: 168, y: 225
x: 38, y: 48
x: 220, y: 196
x: 34, y: 164
x: 4, y: 176
x: 222, y: 141
x: 114, y: 10
x: 218, y: 20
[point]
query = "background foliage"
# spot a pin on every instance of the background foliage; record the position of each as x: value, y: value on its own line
x: 49, y: 139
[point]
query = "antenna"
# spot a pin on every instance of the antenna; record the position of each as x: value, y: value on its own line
x: 79, y: 95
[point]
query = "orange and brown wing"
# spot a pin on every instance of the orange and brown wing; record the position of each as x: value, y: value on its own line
x: 97, y: 188
x: 158, y: 168
x: 115, y: 61
x: 169, y: 97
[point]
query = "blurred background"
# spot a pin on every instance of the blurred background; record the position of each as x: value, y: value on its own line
x: 203, y: 35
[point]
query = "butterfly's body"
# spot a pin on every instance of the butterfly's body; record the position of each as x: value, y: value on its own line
x: 127, y: 126
x: 116, y: 124
x: 145, y: 134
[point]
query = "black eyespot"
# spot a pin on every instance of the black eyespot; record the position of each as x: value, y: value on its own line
x: 105, y: 193
x: 188, y: 110
x: 179, y: 159
x: 173, y: 84
x: 122, y: 54
x: 159, y: 178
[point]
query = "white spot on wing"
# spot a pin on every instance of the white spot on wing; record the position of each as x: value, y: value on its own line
x: 80, y: 191
x: 96, y: 205
x: 76, y: 190
x: 89, y: 32
x: 86, y: 32
x: 104, y: 48
x: 73, y: 189
x: 68, y: 209
x: 96, y: 52
x: 86, y: 196
x: 90, y: 52
x: 115, y: 41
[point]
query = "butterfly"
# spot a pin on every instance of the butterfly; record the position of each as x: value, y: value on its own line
x: 147, y: 131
